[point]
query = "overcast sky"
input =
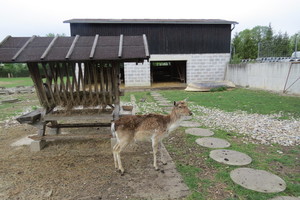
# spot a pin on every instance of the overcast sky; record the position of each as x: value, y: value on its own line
x: 38, y: 17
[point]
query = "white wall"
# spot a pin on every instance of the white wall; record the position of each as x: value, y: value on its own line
x: 269, y: 76
x: 200, y: 67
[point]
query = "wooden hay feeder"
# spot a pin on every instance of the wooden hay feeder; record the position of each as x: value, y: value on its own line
x: 76, y: 78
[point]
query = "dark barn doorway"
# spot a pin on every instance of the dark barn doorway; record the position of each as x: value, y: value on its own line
x: 168, y: 71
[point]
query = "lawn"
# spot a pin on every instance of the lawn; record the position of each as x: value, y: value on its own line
x: 251, y: 101
x: 13, y: 82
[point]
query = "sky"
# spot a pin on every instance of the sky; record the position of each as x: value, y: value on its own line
x: 39, y: 17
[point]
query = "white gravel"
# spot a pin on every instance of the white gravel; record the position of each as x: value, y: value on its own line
x: 265, y: 129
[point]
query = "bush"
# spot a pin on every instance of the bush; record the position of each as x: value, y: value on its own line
x: 14, y: 70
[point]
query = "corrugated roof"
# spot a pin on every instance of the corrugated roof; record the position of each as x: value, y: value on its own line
x: 79, y: 48
x: 151, y: 21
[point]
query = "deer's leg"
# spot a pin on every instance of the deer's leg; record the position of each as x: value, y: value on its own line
x: 117, y: 150
x: 115, y: 160
x: 162, y: 157
x: 155, y: 147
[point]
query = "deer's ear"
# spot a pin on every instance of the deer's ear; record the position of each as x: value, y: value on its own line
x: 175, y: 103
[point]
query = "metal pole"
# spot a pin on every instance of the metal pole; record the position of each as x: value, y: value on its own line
x: 296, y: 44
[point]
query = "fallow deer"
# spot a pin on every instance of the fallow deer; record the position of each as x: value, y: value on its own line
x: 152, y: 127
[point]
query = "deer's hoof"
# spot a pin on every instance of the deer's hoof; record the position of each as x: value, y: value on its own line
x: 162, y: 171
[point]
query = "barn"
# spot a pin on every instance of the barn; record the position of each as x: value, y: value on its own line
x: 181, y: 50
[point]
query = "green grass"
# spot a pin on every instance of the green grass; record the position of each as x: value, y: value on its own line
x: 264, y: 158
x: 13, y: 82
x: 251, y: 101
x: 138, y: 95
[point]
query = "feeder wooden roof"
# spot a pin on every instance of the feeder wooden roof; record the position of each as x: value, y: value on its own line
x: 78, y: 48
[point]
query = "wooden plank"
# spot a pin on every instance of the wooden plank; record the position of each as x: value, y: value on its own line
x: 68, y: 82
x: 30, y: 118
x: 4, y: 40
x: 79, y: 125
x: 94, y: 46
x: 146, y: 45
x: 109, y: 84
x: 120, y: 46
x: 22, y: 48
x: 72, y: 47
x: 89, y: 76
x: 82, y: 83
x: 62, y: 84
x: 83, y: 117
x: 56, y: 89
x: 102, y: 86
x: 49, y: 48
x: 49, y: 85
x: 95, y: 72
x: 74, y: 81
x: 38, y: 83
x: 71, y: 137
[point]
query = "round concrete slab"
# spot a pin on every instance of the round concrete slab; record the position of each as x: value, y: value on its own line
x: 212, y: 142
x: 189, y: 124
x: 258, y: 180
x: 199, y: 132
x: 285, y: 198
x: 230, y: 157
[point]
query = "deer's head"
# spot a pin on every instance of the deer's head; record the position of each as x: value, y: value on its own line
x: 181, y: 109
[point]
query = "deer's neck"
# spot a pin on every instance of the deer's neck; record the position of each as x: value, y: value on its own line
x: 174, y: 121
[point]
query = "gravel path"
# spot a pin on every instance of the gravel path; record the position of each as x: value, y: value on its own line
x: 265, y: 129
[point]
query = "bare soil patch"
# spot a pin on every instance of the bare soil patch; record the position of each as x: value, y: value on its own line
x: 81, y: 169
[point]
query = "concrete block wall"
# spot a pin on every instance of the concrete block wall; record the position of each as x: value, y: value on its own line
x: 137, y: 74
x: 200, y: 67
x: 207, y: 67
x: 268, y: 76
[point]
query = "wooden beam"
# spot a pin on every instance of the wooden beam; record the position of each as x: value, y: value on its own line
x: 49, y: 48
x: 120, y: 46
x: 146, y: 45
x: 73, y: 137
x: 23, y: 47
x: 79, y: 125
x: 5, y: 39
x: 94, y: 46
x: 72, y: 47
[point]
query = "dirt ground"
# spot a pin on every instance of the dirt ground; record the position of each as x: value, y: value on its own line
x: 82, y: 169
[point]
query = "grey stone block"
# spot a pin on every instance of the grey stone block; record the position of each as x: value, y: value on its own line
x: 36, y: 146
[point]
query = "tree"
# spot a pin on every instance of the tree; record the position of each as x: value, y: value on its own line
x: 53, y: 35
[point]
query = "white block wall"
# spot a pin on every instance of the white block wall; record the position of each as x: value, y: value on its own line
x: 268, y: 76
x: 137, y: 74
x: 207, y: 67
x: 200, y: 67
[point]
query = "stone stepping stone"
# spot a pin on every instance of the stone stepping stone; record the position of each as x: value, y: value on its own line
x: 285, y: 198
x: 189, y: 124
x: 257, y: 180
x: 212, y: 142
x: 199, y: 132
x: 230, y: 157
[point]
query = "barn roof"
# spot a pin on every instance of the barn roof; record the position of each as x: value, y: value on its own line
x: 77, y: 48
x: 151, y: 21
